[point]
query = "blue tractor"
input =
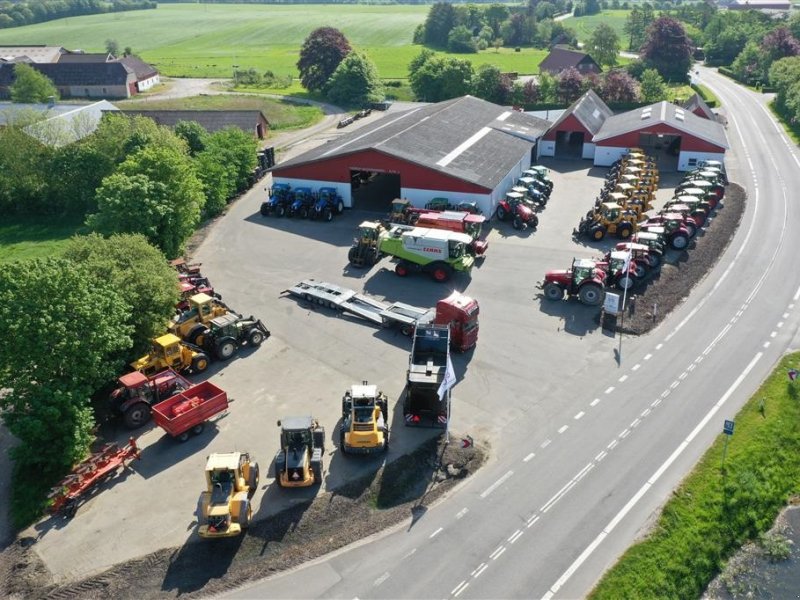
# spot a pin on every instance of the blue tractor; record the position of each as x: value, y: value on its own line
x: 328, y: 203
x: 280, y: 197
x: 303, y: 203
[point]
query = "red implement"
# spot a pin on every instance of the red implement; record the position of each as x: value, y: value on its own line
x: 190, y: 409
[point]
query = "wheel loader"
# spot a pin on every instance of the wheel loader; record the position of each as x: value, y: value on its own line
x: 299, y: 461
x: 168, y: 352
x: 192, y: 325
x: 231, y: 481
x: 610, y: 218
x: 365, y: 413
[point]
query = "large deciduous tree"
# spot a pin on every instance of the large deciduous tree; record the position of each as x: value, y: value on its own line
x: 619, y: 87
x: 668, y: 49
x: 440, y: 20
x: 321, y: 53
x: 434, y: 78
x: 355, y: 82
x: 570, y: 85
x: 779, y: 43
x: 155, y: 192
x: 603, y: 45
x: 492, y: 85
x: 139, y: 272
x: 652, y: 88
x: 31, y: 86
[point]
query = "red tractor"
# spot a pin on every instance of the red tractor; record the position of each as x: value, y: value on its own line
x: 643, y: 255
x: 614, y: 264
x: 513, y: 207
x: 137, y: 393
x: 585, y: 279
x: 676, y: 229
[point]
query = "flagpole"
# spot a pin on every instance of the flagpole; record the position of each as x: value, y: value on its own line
x: 447, y: 425
x: 626, y: 267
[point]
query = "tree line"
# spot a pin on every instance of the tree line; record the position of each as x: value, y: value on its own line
x: 16, y: 14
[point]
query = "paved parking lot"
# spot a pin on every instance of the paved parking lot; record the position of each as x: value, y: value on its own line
x: 314, y: 355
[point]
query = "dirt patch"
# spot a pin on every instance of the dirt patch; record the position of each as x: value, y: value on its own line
x: 682, y: 271
x: 401, y: 489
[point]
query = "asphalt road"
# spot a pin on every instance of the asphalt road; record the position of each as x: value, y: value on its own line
x: 585, y: 448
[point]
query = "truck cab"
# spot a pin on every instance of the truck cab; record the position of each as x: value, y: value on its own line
x: 460, y: 313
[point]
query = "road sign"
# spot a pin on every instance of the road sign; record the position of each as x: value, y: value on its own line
x: 467, y: 441
x: 728, y: 427
x: 611, y: 304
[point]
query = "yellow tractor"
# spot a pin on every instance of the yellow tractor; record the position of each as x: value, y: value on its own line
x: 192, y: 325
x: 609, y: 218
x: 168, y: 352
x: 365, y: 424
x: 231, y: 481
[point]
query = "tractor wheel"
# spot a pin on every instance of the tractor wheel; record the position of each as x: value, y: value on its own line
x: 401, y: 270
x: 339, y: 207
x: 303, y: 213
x: 183, y: 437
x: 699, y: 217
x: 654, y: 260
x: 501, y: 213
x: 679, y: 241
x: 625, y: 282
x: 199, y: 363
x: 691, y: 227
x: 280, y: 211
x: 253, y: 477
x: 385, y: 439
x: 316, y: 469
x: 225, y: 348
x: 245, y: 513
x: 591, y: 294
x: 197, y: 335
x: 517, y: 223
x: 70, y: 508
x: 352, y: 256
x: 406, y: 330
x: 598, y: 232
x: 328, y: 215
x: 441, y: 273
x: 255, y: 337
x: 641, y: 269
x: 198, y: 429
x: 534, y: 222
x: 553, y: 291
x: 264, y: 210
x: 137, y: 415
x: 624, y: 231
x: 342, y: 446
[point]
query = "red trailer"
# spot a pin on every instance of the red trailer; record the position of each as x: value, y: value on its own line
x: 188, y: 411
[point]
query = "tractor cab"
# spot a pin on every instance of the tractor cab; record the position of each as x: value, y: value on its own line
x: 438, y: 204
x: 280, y: 191
x: 400, y: 210
x: 165, y: 352
x: 278, y: 199
x: 231, y: 481
x: 365, y: 413
x: 541, y: 173
x: 514, y: 199
x: 626, y: 189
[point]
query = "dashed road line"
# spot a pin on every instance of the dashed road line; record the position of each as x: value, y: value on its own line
x: 515, y: 536
x: 497, y: 553
x: 435, y: 533
x: 601, y: 456
x: 496, y: 484
x: 645, y: 412
x: 459, y: 588
x: 533, y: 520
x: 648, y: 356
x: 766, y: 344
x: 462, y: 512
x: 659, y: 346
x: 635, y: 367
x: 635, y: 423
x: 624, y: 433
x: 665, y: 393
x: 545, y: 443
x: 609, y: 390
x: 691, y: 367
x: 785, y: 316
x: 480, y: 570
x: 773, y: 334
x: 612, y: 445
x: 674, y: 384
x: 381, y: 579
x: 622, y: 379
x: 780, y: 324
x: 682, y: 376
x: 595, y: 402
x: 563, y: 428
x: 579, y: 415
x: 655, y: 402
x: 529, y: 457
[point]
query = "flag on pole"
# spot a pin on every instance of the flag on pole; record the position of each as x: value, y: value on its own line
x: 627, y: 264
x: 449, y: 379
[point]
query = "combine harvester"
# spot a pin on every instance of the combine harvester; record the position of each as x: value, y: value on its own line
x: 457, y: 310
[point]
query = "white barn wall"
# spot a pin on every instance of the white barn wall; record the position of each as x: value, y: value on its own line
x: 604, y: 156
x: 588, y: 150
x: 685, y: 157
x: 315, y: 184
x: 547, y: 148
x: 146, y: 84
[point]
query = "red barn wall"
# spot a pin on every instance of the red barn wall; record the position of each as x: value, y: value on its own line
x: 571, y: 123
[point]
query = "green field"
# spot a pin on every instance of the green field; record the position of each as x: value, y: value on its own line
x: 584, y: 26
x: 206, y: 40
x: 23, y: 238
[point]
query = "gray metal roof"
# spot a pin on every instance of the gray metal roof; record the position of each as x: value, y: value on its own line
x: 590, y: 110
x: 467, y: 138
x: 697, y: 102
x: 69, y: 126
x: 295, y: 423
x: 668, y: 114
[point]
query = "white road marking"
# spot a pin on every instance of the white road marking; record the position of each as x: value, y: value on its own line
x: 462, y: 512
x: 674, y: 384
x: 648, y: 356
x: 595, y: 402
x: 665, y: 393
x: 691, y: 367
x: 780, y: 324
x: 773, y: 334
x: 515, y: 536
x: 563, y: 428
x: 682, y: 376
x: 435, y: 533
x: 545, y: 443
x: 635, y: 423
x: 796, y: 295
x: 612, y: 445
x: 480, y: 570
x: 698, y: 360
x: 477, y: 569
x: 655, y: 402
x: 622, y: 379
x: 635, y: 367
x: 791, y: 306
x: 529, y: 457
x: 459, y: 588
x: 645, y: 412
x: 496, y: 484
x: 609, y: 390
x: 766, y: 344
x: 533, y: 520
x: 601, y: 456
x: 649, y: 483
x: 579, y: 415
x: 624, y: 433
x: 497, y: 553
x: 659, y: 346
x: 381, y: 579
x: 570, y: 484
x: 410, y: 553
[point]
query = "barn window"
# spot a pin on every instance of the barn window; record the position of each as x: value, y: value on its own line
x: 692, y: 162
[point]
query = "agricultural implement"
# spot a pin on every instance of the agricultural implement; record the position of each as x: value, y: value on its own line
x: 66, y: 495
x: 188, y: 411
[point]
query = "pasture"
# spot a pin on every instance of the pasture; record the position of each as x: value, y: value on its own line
x: 584, y: 26
x: 207, y: 40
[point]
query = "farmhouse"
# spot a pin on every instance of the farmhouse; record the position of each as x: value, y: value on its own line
x: 665, y: 130
x: 249, y: 121
x: 571, y: 134
x: 561, y: 58
x: 465, y: 149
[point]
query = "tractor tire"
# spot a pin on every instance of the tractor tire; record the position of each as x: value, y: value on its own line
x: 342, y: 446
x: 328, y: 215
x: 691, y: 227
x: 245, y: 513
x: 553, y: 291
x: 317, y: 469
x: 70, y: 508
x: 591, y: 294
x: 198, y: 429
x: 280, y: 211
x: 598, y: 232
x: 197, y: 335
x: 699, y: 217
x: 253, y: 478
x: 624, y: 231
x: 373, y: 256
x: 199, y: 363
x: 352, y: 256
x: 385, y: 439
x: 384, y: 406
x: 625, y: 282
x: 401, y: 270
x: 641, y: 269
x: 182, y: 437
x: 679, y: 241
x: 534, y: 222
x: 517, y: 223
x: 339, y: 207
x: 255, y: 338
x: 442, y: 273
x: 654, y: 260
x: 303, y: 212
x: 225, y: 348
x: 137, y: 415
x: 264, y: 210
x: 501, y: 213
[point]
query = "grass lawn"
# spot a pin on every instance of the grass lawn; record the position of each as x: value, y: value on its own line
x: 35, y: 237
x: 584, y: 26
x: 711, y: 515
x: 206, y: 40
x: 280, y: 114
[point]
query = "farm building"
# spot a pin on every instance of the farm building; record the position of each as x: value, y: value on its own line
x: 570, y: 136
x: 676, y: 137
x: 465, y: 149
x: 561, y: 59
x: 249, y: 121
x: 698, y: 106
